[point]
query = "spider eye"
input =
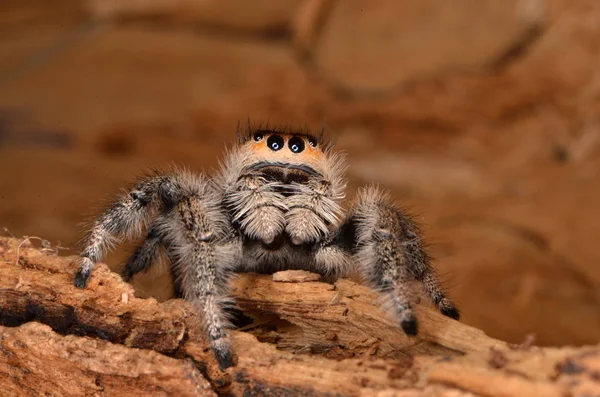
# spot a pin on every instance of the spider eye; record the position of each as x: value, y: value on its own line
x: 258, y: 136
x: 296, y: 145
x: 275, y: 142
x: 312, y: 142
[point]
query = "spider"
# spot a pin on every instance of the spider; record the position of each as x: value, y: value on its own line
x: 274, y: 204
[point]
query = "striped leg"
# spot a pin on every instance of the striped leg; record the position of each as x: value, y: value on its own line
x: 390, y: 254
x: 124, y: 219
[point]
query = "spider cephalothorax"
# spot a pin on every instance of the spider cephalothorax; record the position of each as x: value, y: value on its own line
x: 275, y: 204
x: 283, y: 185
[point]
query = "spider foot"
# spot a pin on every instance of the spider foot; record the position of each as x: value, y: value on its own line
x: 409, y: 325
x: 223, y: 353
x: 81, y: 278
x: 448, y: 309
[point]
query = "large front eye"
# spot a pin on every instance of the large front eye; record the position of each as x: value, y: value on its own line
x: 275, y: 142
x: 296, y: 145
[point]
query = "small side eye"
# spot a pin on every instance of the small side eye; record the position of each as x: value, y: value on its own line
x: 312, y: 142
x: 275, y: 142
x: 258, y: 136
x: 296, y: 144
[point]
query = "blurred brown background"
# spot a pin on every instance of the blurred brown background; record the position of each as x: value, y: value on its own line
x: 482, y: 116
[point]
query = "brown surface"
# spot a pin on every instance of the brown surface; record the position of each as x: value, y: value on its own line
x: 41, y: 362
x: 264, y: 17
x: 499, y: 157
x: 104, y: 341
x: 379, y: 38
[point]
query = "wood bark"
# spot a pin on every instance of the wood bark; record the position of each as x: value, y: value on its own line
x: 306, y: 338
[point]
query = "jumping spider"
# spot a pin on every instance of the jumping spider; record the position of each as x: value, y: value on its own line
x: 274, y: 204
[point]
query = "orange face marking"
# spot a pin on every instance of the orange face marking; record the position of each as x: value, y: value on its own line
x: 311, y: 156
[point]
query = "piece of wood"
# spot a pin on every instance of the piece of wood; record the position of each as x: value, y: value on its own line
x: 38, y: 361
x: 346, y: 315
x: 307, y: 338
x: 295, y: 276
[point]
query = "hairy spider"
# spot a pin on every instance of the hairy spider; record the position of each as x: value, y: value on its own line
x: 275, y: 204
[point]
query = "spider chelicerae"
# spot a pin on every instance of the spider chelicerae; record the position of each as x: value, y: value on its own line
x: 274, y: 204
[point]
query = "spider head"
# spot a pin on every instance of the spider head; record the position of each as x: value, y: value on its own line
x: 283, y: 183
x: 286, y: 156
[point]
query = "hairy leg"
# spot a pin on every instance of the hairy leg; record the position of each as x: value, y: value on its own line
x: 147, y: 253
x: 144, y: 255
x: 204, y: 259
x: 390, y: 253
x: 438, y: 296
x: 185, y: 214
x: 125, y: 218
x: 419, y: 265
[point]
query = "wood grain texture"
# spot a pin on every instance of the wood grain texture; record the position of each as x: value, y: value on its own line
x: 307, y: 338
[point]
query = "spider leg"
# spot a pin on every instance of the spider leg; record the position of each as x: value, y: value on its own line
x: 126, y: 218
x: 438, y: 296
x: 199, y: 240
x: 390, y: 253
x: 204, y: 260
x: 146, y: 254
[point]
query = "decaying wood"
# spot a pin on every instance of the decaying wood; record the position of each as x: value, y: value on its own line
x: 306, y: 338
x: 38, y: 361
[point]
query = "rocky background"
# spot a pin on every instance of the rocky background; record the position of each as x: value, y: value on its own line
x: 483, y: 118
